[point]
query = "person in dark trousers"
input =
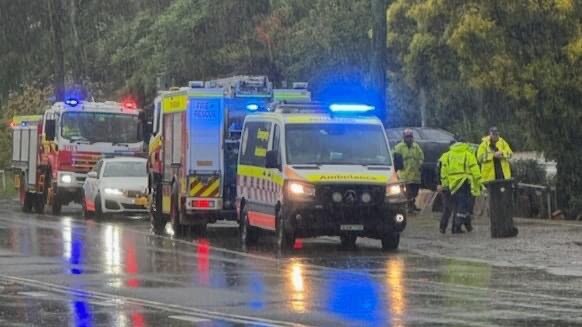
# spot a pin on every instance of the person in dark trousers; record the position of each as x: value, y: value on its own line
x: 443, y: 189
x: 413, y: 158
x: 493, y: 156
x: 460, y: 174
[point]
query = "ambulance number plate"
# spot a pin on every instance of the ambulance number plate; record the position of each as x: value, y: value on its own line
x: 352, y: 227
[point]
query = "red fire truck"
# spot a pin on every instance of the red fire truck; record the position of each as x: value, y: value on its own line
x: 53, y: 153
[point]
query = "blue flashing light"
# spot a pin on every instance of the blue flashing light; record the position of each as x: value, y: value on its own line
x: 72, y: 102
x: 252, y: 107
x: 354, y: 108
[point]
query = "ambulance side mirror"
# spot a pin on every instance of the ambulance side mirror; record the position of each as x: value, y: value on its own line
x: 398, y: 162
x: 272, y: 160
x: 50, y: 129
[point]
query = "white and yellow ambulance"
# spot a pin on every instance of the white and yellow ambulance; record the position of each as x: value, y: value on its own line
x: 308, y: 170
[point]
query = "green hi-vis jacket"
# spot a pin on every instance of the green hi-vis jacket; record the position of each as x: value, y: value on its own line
x: 485, y: 157
x: 413, y: 158
x: 459, y: 165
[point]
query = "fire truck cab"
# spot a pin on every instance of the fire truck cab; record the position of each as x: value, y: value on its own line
x: 66, y: 143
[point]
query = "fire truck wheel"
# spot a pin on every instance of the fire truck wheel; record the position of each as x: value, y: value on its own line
x: 25, y: 197
x: 285, y: 239
x: 248, y: 234
x: 390, y: 241
x: 348, y: 241
x: 57, y: 204
x: 199, y: 230
x: 175, y: 218
x: 156, y: 216
x: 39, y: 204
x: 27, y: 203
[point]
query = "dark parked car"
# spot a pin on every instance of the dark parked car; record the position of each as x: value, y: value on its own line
x: 433, y: 141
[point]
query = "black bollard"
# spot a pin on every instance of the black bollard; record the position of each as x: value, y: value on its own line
x: 501, y: 208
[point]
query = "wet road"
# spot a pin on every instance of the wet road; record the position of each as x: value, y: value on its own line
x: 68, y: 271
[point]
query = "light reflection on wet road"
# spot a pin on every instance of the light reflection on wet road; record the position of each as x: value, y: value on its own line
x: 116, y: 273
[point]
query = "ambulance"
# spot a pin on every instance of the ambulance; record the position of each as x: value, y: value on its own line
x: 313, y: 169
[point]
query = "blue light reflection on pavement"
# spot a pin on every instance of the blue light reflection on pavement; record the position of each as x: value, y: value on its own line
x: 355, y: 297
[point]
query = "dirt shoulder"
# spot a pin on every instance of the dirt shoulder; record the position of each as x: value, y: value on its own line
x: 554, y: 246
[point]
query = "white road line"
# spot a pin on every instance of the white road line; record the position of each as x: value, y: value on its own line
x: 34, y: 294
x: 189, y: 319
x: 178, y: 309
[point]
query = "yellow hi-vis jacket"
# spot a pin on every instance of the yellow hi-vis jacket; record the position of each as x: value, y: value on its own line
x: 485, y: 157
x: 413, y: 158
x: 459, y: 165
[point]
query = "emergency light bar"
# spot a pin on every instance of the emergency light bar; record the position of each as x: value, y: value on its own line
x: 347, y: 108
x: 72, y: 102
x: 252, y: 107
x: 129, y: 104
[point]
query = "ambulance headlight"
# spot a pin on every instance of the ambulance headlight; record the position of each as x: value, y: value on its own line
x: 300, y: 190
x: 394, y: 190
x: 66, y: 179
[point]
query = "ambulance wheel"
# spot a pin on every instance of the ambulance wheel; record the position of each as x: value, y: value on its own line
x: 56, y: 204
x: 25, y: 197
x: 157, y: 218
x: 390, y: 241
x: 248, y: 234
x: 348, y: 241
x: 285, y: 239
x: 27, y: 203
x: 39, y: 204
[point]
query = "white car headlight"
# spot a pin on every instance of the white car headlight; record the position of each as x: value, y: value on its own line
x: 113, y: 191
x: 67, y: 179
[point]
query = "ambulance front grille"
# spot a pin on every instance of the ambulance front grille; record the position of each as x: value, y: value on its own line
x: 351, y: 195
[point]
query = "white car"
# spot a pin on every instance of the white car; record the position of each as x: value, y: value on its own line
x: 116, y: 185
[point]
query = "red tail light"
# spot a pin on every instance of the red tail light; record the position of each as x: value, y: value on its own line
x: 204, y: 204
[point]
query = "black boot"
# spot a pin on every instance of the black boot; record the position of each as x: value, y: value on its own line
x: 443, y: 229
x: 469, y: 227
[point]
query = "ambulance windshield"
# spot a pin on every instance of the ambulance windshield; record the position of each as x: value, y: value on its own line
x: 336, y: 144
x: 93, y: 127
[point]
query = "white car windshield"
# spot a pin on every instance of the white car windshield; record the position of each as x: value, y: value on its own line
x: 340, y: 144
x: 95, y: 127
x: 125, y: 169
